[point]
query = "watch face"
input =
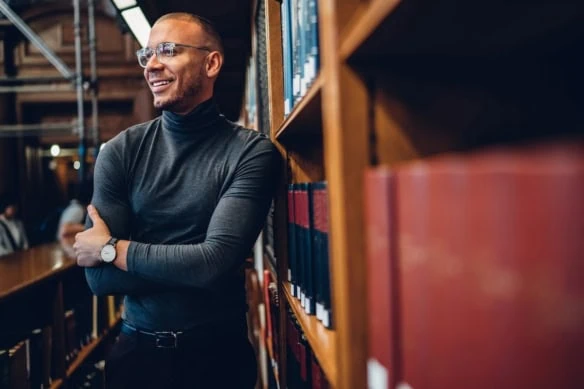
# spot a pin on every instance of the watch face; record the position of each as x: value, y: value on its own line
x: 108, y: 253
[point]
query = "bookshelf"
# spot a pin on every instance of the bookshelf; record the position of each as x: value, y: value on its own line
x: 402, y: 81
x: 89, y: 348
x: 32, y: 292
x: 306, y: 117
x: 321, y: 339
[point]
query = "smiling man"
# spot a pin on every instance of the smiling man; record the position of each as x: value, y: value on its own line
x: 177, y: 206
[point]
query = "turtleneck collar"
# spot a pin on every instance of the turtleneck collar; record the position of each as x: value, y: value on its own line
x: 202, y: 117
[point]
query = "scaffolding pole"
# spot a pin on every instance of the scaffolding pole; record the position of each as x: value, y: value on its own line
x: 36, y: 40
x: 11, y: 130
x: 79, y: 85
x: 93, y: 64
x: 36, y: 88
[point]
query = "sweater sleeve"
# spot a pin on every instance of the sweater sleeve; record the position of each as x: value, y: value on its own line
x: 110, y: 198
x: 233, y: 228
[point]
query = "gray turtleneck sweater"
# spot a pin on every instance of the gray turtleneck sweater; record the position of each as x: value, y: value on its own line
x: 191, y: 193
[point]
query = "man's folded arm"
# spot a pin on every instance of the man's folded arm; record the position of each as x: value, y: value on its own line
x: 110, y: 198
x: 233, y: 228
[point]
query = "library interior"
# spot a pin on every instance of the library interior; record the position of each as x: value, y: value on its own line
x: 367, y: 194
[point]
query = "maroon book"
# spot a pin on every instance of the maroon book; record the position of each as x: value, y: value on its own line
x: 379, y: 232
x: 492, y: 290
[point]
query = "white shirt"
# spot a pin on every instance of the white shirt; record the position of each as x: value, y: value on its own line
x: 74, y: 213
x: 18, y: 233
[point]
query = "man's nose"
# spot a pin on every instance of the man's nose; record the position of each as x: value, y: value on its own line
x: 153, y: 63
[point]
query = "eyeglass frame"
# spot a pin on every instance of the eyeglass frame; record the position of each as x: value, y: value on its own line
x: 159, y: 48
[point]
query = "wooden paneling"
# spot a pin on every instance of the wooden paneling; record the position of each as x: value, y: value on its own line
x: 113, y: 47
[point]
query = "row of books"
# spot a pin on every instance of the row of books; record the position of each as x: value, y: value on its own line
x: 27, y: 363
x: 475, y: 270
x: 302, y: 368
x: 272, y: 312
x: 90, y: 375
x: 300, y: 49
x: 308, y: 251
x: 87, y: 321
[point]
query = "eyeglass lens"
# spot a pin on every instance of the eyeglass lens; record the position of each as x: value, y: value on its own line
x: 162, y: 50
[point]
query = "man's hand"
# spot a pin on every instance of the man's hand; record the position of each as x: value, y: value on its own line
x: 88, y: 243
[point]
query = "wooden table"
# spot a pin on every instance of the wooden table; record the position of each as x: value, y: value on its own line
x: 30, y: 268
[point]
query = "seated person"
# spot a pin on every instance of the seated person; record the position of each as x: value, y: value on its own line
x: 73, y: 217
x: 12, y: 234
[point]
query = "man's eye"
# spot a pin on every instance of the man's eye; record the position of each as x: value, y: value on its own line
x: 167, y: 51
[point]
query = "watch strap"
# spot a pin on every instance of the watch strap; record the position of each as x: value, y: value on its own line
x: 113, y: 241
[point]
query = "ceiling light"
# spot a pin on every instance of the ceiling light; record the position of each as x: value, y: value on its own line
x: 55, y: 150
x: 138, y: 24
x: 121, y: 4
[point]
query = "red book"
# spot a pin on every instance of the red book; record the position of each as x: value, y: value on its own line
x: 379, y: 230
x: 268, y: 312
x: 492, y: 290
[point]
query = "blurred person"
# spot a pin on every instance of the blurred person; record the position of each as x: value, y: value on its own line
x: 12, y: 233
x: 72, y: 219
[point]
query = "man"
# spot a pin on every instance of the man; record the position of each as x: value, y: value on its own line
x: 12, y: 234
x: 71, y: 220
x: 186, y: 194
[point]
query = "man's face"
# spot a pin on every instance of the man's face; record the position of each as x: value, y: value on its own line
x: 176, y: 82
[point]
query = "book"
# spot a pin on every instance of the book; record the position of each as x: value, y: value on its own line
x: 490, y: 255
x: 381, y: 271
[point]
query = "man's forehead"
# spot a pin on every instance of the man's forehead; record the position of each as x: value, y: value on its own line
x: 175, y: 30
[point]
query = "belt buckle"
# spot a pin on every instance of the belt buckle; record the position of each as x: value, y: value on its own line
x: 167, y: 339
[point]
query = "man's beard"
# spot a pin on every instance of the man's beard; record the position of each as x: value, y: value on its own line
x: 181, y: 100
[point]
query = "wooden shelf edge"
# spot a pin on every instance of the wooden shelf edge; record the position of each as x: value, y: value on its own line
x: 57, y: 384
x: 88, y: 349
x: 314, y: 90
x: 322, y: 340
x: 362, y: 29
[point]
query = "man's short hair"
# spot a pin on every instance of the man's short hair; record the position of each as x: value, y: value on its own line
x: 207, y: 26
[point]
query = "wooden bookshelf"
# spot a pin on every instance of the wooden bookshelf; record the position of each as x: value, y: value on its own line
x: 364, y: 24
x: 305, y: 118
x: 321, y: 339
x: 393, y: 28
x: 400, y: 81
x: 38, y: 278
x: 88, y: 349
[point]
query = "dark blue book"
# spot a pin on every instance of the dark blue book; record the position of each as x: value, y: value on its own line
x: 292, y: 241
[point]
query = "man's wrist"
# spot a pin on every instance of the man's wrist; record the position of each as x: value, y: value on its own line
x: 121, y: 260
x: 108, y: 252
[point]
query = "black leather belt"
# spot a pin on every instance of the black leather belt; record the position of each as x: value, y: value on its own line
x: 201, y: 336
x: 158, y: 339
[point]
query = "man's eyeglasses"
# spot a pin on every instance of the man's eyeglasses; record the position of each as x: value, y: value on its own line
x: 162, y: 51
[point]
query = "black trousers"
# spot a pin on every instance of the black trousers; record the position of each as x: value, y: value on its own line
x: 212, y: 358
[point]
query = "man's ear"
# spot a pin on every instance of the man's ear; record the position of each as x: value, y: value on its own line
x: 214, y: 63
